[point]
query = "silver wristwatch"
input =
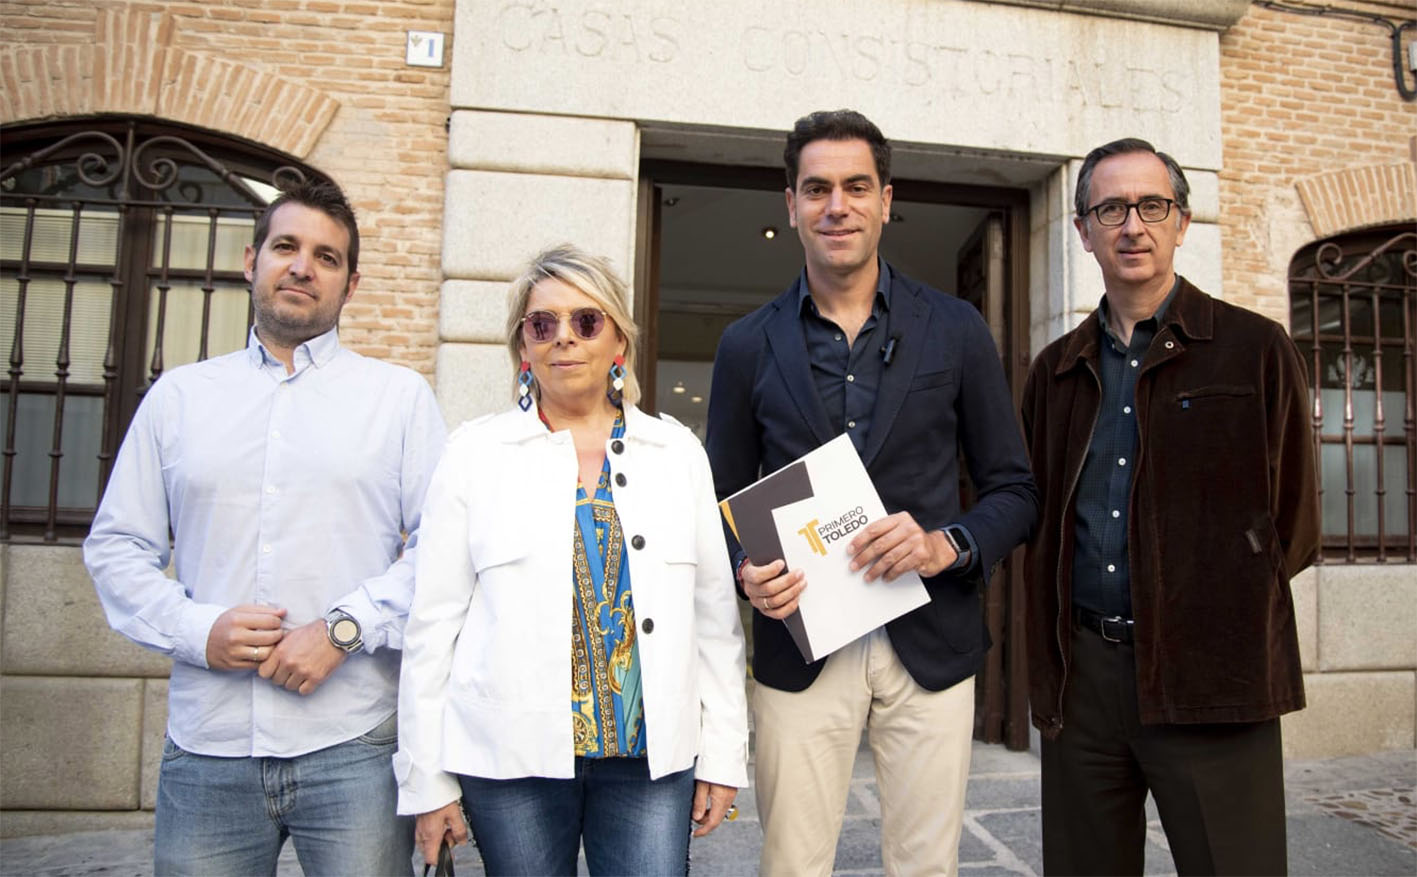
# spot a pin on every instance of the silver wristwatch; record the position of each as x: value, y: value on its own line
x: 344, y: 631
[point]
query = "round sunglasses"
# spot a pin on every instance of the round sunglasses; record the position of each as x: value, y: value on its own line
x: 538, y: 327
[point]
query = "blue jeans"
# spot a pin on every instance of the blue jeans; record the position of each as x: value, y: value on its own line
x: 630, y: 824
x: 232, y: 815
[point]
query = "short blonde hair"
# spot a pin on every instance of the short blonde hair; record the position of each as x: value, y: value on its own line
x: 590, y: 275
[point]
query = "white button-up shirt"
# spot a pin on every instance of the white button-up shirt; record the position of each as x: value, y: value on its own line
x: 285, y: 490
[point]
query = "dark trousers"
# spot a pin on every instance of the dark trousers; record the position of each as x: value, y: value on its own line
x: 1219, y: 788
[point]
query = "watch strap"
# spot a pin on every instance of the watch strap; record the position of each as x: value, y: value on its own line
x: 964, y: 555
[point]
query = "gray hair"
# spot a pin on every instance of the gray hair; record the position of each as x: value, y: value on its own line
x: 1179, y: 186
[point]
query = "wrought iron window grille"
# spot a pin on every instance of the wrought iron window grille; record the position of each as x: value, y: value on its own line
x: 120, y: 258
x: 1353, y: 303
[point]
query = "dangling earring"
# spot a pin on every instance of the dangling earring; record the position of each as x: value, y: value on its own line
x: 617, y: 380
x: 524, y: 386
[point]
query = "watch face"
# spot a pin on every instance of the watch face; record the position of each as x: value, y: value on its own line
x: 345, y: 631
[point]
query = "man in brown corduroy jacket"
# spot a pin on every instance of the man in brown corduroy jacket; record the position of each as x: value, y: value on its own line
x: 1171, y: 441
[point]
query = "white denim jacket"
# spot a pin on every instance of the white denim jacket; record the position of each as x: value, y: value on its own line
x: 485, y: 688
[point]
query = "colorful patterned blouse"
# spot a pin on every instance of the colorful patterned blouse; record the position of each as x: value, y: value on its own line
x: 607, y: 711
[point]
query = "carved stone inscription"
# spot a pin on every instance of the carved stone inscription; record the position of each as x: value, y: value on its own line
x: 970, y: 73
x: 598, y: 32
x: 961, y: 70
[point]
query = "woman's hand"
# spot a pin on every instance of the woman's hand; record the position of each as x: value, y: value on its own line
x: 433, y: 826
x: 711, y: 802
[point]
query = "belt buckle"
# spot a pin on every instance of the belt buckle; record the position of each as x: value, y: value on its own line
x: 1102, y: 627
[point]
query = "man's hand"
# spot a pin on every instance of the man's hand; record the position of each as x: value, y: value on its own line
x: 433, y: 826
x: 304, y: 658
x: 711, y: 803
x: 895, y: 544
x: 769, y: 591
x: 243, y: 636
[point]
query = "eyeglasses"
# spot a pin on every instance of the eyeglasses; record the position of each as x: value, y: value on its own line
x: 538, y: 327
x: 1114, y: 213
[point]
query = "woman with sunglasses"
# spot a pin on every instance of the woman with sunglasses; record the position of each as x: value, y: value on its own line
x: 573, y: 661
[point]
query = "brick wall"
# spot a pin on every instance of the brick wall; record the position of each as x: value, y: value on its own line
x: 323, y: 81
x: 1303, y: 96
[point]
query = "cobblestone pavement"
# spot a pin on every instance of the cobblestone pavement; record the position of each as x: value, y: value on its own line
x: 1389, y: 811
x: 1375, y: 792
x: 1345, y: 816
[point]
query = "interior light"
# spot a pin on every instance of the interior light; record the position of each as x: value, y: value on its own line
x: 678, y: 388
x: 696, y: 399
x: 769, y: 232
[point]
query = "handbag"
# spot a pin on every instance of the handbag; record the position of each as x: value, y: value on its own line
x: 445, y: 860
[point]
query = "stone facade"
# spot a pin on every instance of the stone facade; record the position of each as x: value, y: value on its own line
x: 1289, y: 126
x: 82, y: 709
x: 1359, y: 659
x: 575, y: 179
x: 934, y: 76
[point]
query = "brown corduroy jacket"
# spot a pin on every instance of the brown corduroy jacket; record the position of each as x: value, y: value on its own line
x: 1224, y: 511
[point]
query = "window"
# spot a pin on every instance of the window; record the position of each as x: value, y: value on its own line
x: 1353, y: 304
x: 121, y: 245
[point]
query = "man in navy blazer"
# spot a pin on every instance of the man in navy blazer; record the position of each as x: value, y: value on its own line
x: 913, y: 377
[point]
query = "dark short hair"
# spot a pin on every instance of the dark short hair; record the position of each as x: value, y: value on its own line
x: 319, y: 195
x: 1126, y: 145
x: 836, y: 125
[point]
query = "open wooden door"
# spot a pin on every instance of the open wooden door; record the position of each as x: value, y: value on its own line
x: 1001, y: 688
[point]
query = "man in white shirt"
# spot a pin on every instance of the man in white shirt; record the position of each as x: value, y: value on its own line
x: 287, y: 474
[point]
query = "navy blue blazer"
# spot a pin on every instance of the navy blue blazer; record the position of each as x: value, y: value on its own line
x: 943, y: 391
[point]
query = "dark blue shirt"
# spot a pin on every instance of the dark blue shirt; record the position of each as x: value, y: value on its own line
x: 847, y: 376
x: 1101, y: 576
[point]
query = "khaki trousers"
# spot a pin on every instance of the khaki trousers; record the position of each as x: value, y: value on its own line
x: 806, y: 745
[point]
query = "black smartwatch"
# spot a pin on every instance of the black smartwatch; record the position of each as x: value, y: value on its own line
x: 960, y: 543
x: 344, y: 631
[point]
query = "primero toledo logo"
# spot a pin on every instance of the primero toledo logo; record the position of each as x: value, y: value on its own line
x: 818, y: 534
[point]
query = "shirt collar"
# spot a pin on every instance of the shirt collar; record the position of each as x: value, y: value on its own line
x: 883, y: 289
x: 1103, y: 310
x: 318, y: 350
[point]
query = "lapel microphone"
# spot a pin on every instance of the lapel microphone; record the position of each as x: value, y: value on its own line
x: 888, y: 352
